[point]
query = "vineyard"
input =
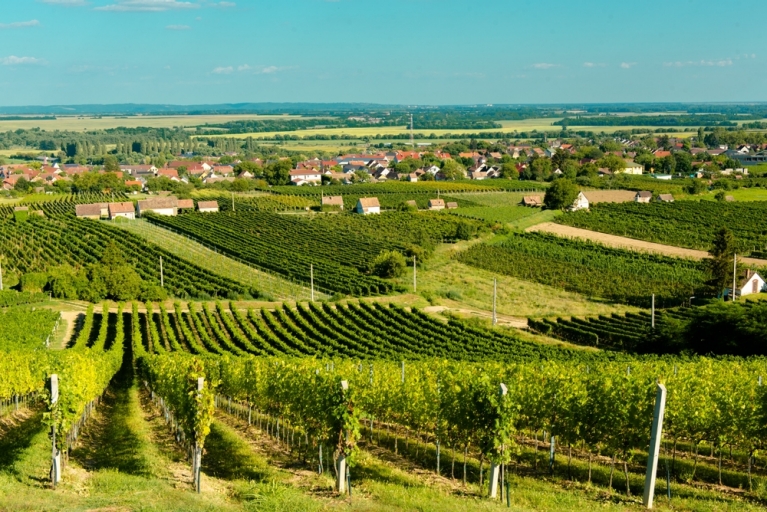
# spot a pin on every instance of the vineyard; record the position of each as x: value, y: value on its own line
x: 41, y: 242
x: 340, y: 248
x: 683, y: 224
x: 591, y: 269
x: 423, y: 187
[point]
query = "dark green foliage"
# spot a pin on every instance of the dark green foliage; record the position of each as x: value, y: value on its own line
x: 560, y: 195
x: 389, y: 264
x: 720, y: 264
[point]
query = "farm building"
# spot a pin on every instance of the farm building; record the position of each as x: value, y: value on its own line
x: 666, y: 198
x: 586, y: 199
x: 333, y: 201
x: 436, y: 204
x: 643, y: 196
x: 159, y: 205
x: 632, y: 168
x: 125, y: 210
x: 88, y: 211
x: 532, y: 201
x: 305, y: 177
x: 749, y: 282
x: 207, y: 206
x: 185, y: 204
x: 368, y: 205
x: 451, y: 205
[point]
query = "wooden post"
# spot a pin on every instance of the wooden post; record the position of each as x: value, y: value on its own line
x: 415, y: 279
x: 653, y: 311
x: 162, y: 278
x: 734, y: 274
x: 495, y: 469
x: 552, y: 452
x: 197, y: 463
x: 655, y: 441
x: 311, y: 278
x: 495, y: 294
x: 55, y: 454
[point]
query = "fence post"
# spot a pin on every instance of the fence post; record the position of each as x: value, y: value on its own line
x: 495, y: 469
x: 342, y: 480
x: 655, y: 440
x: 197, y: 449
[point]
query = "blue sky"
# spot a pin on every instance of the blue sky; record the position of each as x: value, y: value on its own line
x: 381, y: 51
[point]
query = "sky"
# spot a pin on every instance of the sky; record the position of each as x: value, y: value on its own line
x: 411, y: 52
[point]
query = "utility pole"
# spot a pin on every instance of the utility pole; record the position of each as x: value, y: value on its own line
x: 734, y: 274
x: 415, y: 278
x: 495, y: 295
x: 162, y: 279
x: 311, y: 278
x: 412, y: 141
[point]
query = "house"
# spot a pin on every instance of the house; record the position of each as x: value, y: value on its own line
x: 632, y: 168
x: 171, y: 174
x: 666, y: 198
x: 532, y: 201
x: 436, y: 204
x: 207, y: 206
x: 134, y: 183
x: 185, y: 204
x: 749, y: 282
x: 159, y: 205
x: 643, y: 196
x: 305, y: 177
x: 452, y: 205
x: 586, y: 199
x: 125, y: 210
x: 88, y: 211
x: 368, y: 205
x: 333, y: 202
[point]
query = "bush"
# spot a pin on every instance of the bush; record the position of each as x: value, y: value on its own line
x: 561, y: 194
x: 34, y: 282
x: 389, y: 264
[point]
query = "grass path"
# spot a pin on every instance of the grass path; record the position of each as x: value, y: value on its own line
x: 632, y: 244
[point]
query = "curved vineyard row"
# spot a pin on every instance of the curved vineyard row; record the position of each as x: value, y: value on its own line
x: 421, y: 187
x: 358, y: 330
x: 590, y: 268
x: 688, y: 224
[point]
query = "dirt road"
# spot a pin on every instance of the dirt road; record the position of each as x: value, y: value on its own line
x: 629, y: 243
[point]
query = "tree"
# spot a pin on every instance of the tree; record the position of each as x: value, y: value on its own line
x: 696, y: 187
x: 389, y: 264
x: 22, y: 185
x: 561, y: 194
x: 613, y: 162
x: 252, y: 167
x: 111, y: 164
x: 683, y: 162
x: 720, y: 196
x: 666, y: 165
x: 509, y: 171
x: 541, y: 168
x: 278, y: 173
x: 113, y: 278
x: 452, y: 170
x: 719, y: 264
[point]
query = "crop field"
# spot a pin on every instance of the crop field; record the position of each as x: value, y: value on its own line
x: 81, y: 123
x: 688, y: 224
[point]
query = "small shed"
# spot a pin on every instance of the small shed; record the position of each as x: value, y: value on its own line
x: 88, y: 211
x: 125, y: 210
x: 207, y: 206
x: 185, y: 204
x: 749, y: 282
x: 643, y: 196
x: 368, y: 205
x: 532, y: 201
x: 452, y: 205
x: 436, y: 204
x: 666, y: 198
x: 333, y: 202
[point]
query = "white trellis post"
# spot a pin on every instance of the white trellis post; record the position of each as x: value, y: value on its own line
x: 734, y: 274
x: 197, y: 462
x: 495, y: 469
x: 415, y: 279
x: 55, y: 454
x: 342, y: 458
x: 495, y: 298
x: 655, y: 441
x: 1, y: 277
x: 162, y: 278
x: 653, y: 311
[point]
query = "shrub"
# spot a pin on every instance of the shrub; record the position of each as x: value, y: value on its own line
x: 389, y: 264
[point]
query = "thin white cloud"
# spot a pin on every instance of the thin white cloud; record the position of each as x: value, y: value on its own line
x: 20, y: 24
x: 223, y: 70
x: 269, y: 70
x: 244, y: 67
x: 13, y: 60
x: 544, y: 65
x: 147, y: 6
x: 705, y: 63
x: 594, y: 64
x: 224, y: 5
x: 178, y: 27
x: 65, y: 3
x: 628, y: 65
